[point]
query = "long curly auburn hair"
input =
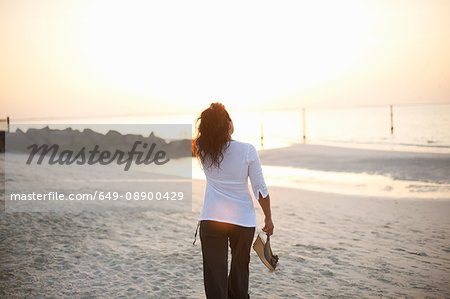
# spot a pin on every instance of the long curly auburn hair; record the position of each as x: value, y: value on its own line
x: 213, y: 133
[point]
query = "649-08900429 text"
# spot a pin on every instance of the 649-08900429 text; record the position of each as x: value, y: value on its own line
x: 98, y: 195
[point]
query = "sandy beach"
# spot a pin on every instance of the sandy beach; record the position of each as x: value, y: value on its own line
x: 106, y: 104
x: 330, y: 244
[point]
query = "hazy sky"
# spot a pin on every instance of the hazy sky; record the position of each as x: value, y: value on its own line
x: 65, y: 58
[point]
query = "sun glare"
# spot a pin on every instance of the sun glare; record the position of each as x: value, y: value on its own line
x: 177, y: 56
x: 193, y: 56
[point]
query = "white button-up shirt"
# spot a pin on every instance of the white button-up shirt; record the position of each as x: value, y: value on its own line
x: 227, y: 197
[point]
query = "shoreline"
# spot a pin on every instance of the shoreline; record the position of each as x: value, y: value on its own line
x: 426, y: 167
x: 414, y: 148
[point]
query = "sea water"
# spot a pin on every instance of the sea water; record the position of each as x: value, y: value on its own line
x: 415, y: 127
x: 423, y: 128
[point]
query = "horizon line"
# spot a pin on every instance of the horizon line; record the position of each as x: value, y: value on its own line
x: 324, y: 107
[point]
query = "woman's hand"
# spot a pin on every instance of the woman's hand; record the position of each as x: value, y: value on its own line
x: 265, y: 205
x: 268, y: 227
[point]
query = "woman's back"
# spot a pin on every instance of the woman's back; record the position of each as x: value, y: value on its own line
x: 234, y: 166
x: 227, y: 197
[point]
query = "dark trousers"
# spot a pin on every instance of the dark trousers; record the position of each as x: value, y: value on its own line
x: 214, y: 237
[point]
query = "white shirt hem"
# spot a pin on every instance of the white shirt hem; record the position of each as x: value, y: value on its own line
x: 227, y: 221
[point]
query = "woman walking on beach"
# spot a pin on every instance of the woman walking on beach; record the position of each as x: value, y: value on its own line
x: 228, y: 214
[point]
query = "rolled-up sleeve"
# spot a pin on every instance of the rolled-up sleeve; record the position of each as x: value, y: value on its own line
x: 255, y: 173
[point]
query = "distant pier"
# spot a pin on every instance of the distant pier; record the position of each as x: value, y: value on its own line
x: 4, y: 127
